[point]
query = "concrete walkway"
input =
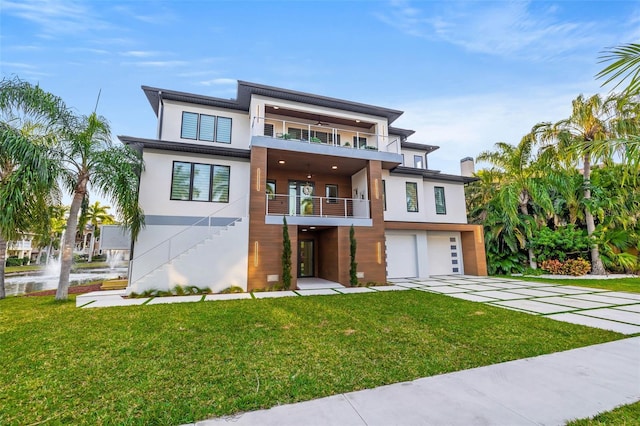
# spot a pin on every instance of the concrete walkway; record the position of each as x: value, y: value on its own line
x: 545, y: 390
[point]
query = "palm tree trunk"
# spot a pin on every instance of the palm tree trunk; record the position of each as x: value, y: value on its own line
x: 3, y: 259
x: 532, y: 259
x: 597, y: 268
x: 69, y: 241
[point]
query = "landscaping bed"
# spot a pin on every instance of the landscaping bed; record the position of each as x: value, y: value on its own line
x: 180, y: 363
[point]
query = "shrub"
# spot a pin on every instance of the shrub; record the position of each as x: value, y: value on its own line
x: 286, y: 256
x: 232, y: 289
x: 563, y: 243
x: 575, y: 267
x: 353, y: 274
x: 13, y: 261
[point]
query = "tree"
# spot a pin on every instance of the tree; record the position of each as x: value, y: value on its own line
x: 88, y: 158
x: 521, y: 181
x: 97, y: 215
x: 353, y: 266
x: 29, y: 125
x: 625, y: 66
x: 286, y: 255
x: 587, y: 135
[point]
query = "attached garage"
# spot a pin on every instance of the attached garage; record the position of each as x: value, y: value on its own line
x: 402, y: 255
x: 444, y: 253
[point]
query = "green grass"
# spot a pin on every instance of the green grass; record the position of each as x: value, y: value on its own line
x: 615, y: 284
x: 25, y: 268
x: 173, y: 364
x: 626, y: 415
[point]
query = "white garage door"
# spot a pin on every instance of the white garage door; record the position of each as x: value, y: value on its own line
x: 445, y: 254
x: 402, y: 259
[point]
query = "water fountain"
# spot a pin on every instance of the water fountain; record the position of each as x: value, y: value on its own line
x: 48, y: 278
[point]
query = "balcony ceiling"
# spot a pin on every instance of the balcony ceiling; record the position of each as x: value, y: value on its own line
x: 331, y: 121
x: 316, y: 164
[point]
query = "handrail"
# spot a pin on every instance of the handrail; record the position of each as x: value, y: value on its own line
x: 318, y: 207
x: 167, y: 242
x: 334, y: 131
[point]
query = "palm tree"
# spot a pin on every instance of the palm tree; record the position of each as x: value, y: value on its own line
x: 588, y: 135
x: 520, y: 183
x: 97, y: 215
x: 88, y: 158
x: 29, y: 124
x: 625, y: 65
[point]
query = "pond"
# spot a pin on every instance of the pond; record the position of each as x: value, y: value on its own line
x: 48, y: 279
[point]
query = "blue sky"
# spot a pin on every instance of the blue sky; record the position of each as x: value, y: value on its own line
x: 467, y: 74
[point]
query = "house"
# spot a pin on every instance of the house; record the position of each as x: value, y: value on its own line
x: 222, y: 175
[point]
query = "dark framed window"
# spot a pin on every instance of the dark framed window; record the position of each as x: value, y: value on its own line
x: 189, y: 125
x: 200, y: 182
x: 412, y: 196
x: 268, y: 129
x: 417, y: 162
x: 205, y: 127
x: 359, y: 142
x: 403, y: 163
x: 331, y: 192
x: 384, y: 195
x: 271, y: 189
x: 441, y: 205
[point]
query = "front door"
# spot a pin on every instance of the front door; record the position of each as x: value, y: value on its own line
x: 305, y: 259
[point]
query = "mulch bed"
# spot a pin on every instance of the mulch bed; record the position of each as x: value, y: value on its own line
x: 76, y: 289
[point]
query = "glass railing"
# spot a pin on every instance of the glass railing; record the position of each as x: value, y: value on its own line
x: 303, y: 205
x: 323, y: 134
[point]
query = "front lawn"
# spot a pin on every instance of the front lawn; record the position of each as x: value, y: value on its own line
x: 627, y: 415
x: 614, y: 284
x: 174, y: 364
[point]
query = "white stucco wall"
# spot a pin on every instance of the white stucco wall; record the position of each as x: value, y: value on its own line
x: 172, y: 124
x: 155, y: 186
x: 409, y: 160
x: 397, y: 204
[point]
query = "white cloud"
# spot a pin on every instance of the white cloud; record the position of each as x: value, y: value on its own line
x: 56, y: 16
x: 219, y: 82
x: 508, y: 28
x: 157, y: 64
x: 469, y: 124
x: 141, y: 53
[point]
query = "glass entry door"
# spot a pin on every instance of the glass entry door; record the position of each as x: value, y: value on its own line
x: 301, y: 198
x: 305, y: 259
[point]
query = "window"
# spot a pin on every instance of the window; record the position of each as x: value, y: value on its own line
x: 206, y: 127
x: 268, y: 129
x: 200, y: 182
x: 412, y: 196
x: 271, y: 189
x: 189, y: 125
x: 417, y: 162
x: 441, y: 206
x: 331, y: 192
x: 384, y: 194
x: 403, y: 163
x: 359, y: 142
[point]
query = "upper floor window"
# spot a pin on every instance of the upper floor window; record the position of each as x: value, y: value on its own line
x: 412, y: 196
x: 205, y: 127
x: 417, y: 162
x: 200, y: 182
x: 331, y: 192
x: 441, y: 205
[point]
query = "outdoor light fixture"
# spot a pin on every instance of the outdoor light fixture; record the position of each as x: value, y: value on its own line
x: 276, y: 107
x: 334, y: 167
x: 357, y: 121
x: 280, y: 161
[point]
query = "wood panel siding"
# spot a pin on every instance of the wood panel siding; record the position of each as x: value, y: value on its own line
x: 267, y: 260
x: 472, y: 240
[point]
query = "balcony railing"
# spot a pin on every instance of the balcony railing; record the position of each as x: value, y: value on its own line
x: 312, y: 206
x: 321, y: 134
x: 19, y: 245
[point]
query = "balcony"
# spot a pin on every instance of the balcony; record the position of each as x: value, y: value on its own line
x: 313, y: 210
x: 323, y: 134
x: 21, y: 245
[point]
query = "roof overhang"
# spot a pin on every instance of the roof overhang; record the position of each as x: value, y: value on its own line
x: 431, y: 175
x: 246, y: 89
x: 419, y: 146
x: 192, y: 148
